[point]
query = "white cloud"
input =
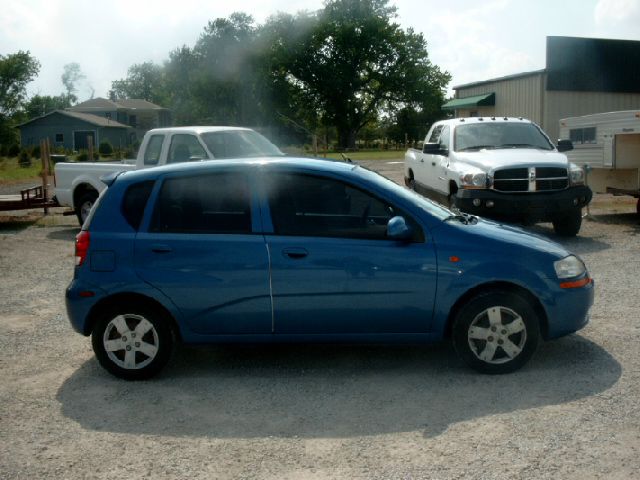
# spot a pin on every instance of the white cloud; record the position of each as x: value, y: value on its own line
x: 616, y: 13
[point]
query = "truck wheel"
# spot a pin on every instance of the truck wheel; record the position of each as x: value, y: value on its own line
x: 568, y: 225
x: 496, y: 332
x: 85, y: 202
x: 132, y: 342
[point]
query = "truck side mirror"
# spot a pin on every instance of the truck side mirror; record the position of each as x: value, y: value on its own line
x: 432, y: 148
x: 564, y: 145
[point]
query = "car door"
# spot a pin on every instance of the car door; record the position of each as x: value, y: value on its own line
x: 425, y: 171
x: 333, y: 271
x: 200, y: 250
x: 443, y: 161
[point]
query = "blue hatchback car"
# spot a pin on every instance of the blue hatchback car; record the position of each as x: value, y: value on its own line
x: 283, y: 250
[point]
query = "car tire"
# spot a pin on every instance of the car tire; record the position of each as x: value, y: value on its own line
x: 83, y: 207
x: 132, y: 342
x: 568, y: 225
x: 496, y: 332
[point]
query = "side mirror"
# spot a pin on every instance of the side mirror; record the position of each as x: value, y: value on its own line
x: 434, y: 149
x: 397, y: 229
x: 564, y: 145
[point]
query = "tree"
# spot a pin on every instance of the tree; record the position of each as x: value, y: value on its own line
x: 144, y: 80
x: 355, y: 63
x: 16, y: 71
x: 70, y: 77
x: 40, y: 105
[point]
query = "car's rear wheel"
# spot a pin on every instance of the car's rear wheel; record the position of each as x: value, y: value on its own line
x: 496, y: 332
x: 133, y: 343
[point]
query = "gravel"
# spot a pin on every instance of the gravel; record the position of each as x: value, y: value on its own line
x: 320, y: 411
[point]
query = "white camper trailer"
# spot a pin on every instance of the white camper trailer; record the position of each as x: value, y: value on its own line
x: 609, y: 143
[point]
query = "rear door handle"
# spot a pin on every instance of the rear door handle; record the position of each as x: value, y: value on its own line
x: 295, y: 252
x: 158, y: 248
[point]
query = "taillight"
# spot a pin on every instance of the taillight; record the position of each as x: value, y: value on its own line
x: 82, y: 246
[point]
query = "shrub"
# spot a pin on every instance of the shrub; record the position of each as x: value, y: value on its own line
x: 4, y: 150
x: 25, y: 159
x: 14, y: 150
x: 105, y: 148
x: 35, y: 151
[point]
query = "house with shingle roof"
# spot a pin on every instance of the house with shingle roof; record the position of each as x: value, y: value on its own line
x: 139, y: 114
x: 120, y: 122
x: 72, y: 130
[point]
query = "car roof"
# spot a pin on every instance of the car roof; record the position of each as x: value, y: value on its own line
x: 196, y: 129
x: 295, y: 163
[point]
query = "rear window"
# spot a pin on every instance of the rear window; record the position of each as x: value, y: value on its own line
x: 134, y: 202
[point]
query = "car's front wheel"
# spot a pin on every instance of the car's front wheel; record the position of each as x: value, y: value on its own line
x: 133, y: 343
x: 496, y: 332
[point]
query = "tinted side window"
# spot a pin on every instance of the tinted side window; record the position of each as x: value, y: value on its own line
x: 184, y: 147
x: 135, y: 201
x: 322, y: 207
x: 213, y: 203
x: 153, y: 149
x: 435, y: 135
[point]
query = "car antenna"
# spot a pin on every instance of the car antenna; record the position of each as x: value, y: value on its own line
x: 345, y: 158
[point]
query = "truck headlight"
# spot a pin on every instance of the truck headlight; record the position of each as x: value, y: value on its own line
x: 569, y: 267
x: 576, y: 174
x: 473, y: 180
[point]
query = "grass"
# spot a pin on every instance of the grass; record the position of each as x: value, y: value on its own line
x: 359, y: 155
x: 11, y: 171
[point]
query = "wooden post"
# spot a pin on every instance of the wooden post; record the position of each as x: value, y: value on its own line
x: 44, y: 157
x: 90, y: 147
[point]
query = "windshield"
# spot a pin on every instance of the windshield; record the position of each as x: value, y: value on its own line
x: 239, y: 144
x: 475, y: 136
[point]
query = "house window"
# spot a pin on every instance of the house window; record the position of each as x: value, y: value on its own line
x: 59, y: 138
x: 133, y: 121
x: 108, y: 115
x: 583, y: 136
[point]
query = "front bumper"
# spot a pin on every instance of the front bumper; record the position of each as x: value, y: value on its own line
x: 534, y: 206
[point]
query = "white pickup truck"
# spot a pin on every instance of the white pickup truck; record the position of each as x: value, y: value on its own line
x: 505, y: 168
x: 78, y: 184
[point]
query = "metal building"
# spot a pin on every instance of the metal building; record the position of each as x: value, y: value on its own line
x: 582, y: 76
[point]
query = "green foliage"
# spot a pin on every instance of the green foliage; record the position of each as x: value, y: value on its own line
x: 25, y: 159
x: 40, y: 105
x: 35, y: 152
x: 105, y: 148
x: 13, y: 150
x: 4, y: 150
x: 16, y: 71
x: 83, y: 156
x: 341, y: 68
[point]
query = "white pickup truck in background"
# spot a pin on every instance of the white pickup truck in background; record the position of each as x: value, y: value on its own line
x: 504, y: 168
x: 78, y: 184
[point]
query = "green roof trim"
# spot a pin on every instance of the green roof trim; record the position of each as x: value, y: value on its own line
x: 485, y: 100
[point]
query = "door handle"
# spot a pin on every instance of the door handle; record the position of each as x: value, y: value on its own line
x: 422, y: 160
x: 158, y: 248
x: 433, y: 163
x: 295, y: 252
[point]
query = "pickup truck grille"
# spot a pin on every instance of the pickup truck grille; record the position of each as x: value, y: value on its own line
x: 530, y: 179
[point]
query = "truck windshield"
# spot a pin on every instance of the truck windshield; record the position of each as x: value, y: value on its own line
x: 239, y: 144
x: 475, y: 136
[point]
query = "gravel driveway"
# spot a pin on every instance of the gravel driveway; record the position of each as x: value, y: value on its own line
x: 319, y: 411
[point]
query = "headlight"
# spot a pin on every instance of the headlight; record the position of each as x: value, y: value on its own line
x: 569, y: 267
x: 473, y: 180
x: 576, y: 174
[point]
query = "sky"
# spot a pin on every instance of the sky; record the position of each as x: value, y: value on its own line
x: 472, y: 40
